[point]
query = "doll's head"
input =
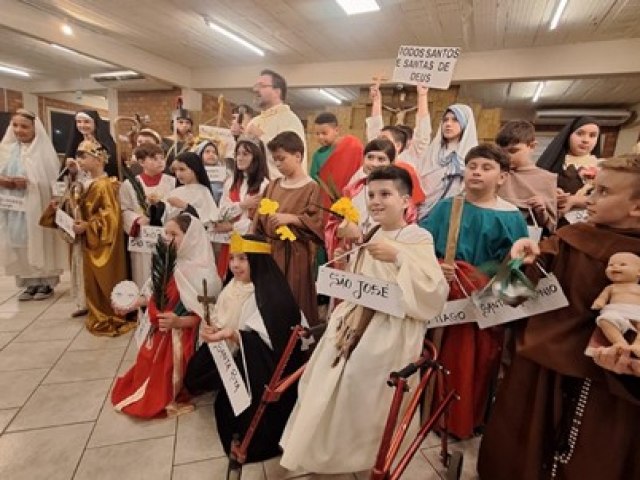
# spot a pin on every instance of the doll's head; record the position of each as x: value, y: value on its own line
x: 623, y: 267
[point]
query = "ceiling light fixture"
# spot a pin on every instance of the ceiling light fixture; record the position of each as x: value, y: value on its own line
x: 66, y: 29
x: 538, y: 92
x: 234, y: 37
x: 119, y: 75
x: 354, y: 7
x: 14, y: 71
x: 562, y: 4
x: 330, y: 96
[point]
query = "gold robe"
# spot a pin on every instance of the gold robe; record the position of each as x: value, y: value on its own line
x: 104, y: 256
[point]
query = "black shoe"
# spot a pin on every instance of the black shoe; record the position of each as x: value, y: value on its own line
x: 28, y: 294
x: 43, y: 292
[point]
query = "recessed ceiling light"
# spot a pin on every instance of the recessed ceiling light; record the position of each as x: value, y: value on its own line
x: 330, y: 96
x: 562, y: 4
x: 234, y: 37
x: 14, y: 71
x: 66, y: 29
x: 353, y: 7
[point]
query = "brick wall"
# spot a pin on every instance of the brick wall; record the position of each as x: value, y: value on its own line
x: 10, y: 100
x: 159, y: 104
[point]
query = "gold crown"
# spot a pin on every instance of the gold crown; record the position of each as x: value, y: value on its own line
x: 241, y: 245
x: 94, y: 149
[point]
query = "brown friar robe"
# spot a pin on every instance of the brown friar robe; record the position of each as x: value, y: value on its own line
x: 536, y: 402
x: 523, y: 184
x: 296, y: 259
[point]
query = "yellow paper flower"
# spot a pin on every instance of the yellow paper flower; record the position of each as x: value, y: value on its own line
x: 344, y: 207
x: 285, y: 233
x: 268, y: 206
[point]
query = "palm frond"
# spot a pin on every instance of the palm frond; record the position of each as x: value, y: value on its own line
x: 164, y: 262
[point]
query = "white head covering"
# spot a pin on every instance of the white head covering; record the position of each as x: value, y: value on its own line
x: 195, y: 262
x: 46, y: 251
x: 445, y: 163
x: 468, y: 140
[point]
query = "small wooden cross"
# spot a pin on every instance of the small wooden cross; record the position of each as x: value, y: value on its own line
x: 206, y: 302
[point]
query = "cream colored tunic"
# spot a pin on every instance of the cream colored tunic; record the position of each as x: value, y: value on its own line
x: 337, y: 424
x: 274, y: 121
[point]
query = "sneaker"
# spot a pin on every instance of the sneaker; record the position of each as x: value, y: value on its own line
x: 43, y: 292
x: 28, y: 294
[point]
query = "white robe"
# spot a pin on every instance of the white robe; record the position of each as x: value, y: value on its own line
x: 337, y: 424
x: 45, y: 254
x: 140, y: 262
x: 242, y: 224
x: 196, y: 195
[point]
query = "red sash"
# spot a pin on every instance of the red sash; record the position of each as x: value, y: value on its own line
x: 342, y: 164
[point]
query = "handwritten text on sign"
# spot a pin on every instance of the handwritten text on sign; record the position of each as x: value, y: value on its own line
x: 431, y: 66
x: 65, y: 222
x: 455, y: 312
x: 369, y: 292
x: 9, y: 202
x: 146, y: 241
x: 231, y: 379
x: 549, y: 296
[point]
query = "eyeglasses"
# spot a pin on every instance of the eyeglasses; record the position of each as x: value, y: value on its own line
x: 262, y: 85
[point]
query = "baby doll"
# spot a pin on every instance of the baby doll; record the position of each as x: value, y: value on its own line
x: 620, y: 302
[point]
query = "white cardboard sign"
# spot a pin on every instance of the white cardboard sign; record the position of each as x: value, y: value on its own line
x: 455, y: 312
x: 9, y: 202
x: 576, y: 216
x: 216, y: 173
x: 65, y: 222
x: 431, y: 66
x: 549, y: 296
x: 231, y: 377
x: 535, y: 233
x: 146, y: 241
x: 369, y: 292
x: 58, y: 188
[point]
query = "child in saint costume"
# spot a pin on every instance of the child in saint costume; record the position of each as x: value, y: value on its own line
x: 153, y: 386
x: 254, y: 314
x: 193, y: 194
x: 298, y: 197
x: 242, y: 193
x: 99, y: 228
x: 488, y: 227
x: 337, y: 423
x: 528, y: 187
x: 28, y: 165
x: 558, y: 415
x: 155, y: 186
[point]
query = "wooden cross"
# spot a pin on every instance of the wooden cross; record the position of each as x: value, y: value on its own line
x: 206, y: 302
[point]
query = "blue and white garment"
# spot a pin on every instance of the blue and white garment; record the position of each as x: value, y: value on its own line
x: 444, y: 163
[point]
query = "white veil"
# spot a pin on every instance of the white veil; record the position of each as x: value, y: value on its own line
x: 46, y: 250
x: 195, y: 262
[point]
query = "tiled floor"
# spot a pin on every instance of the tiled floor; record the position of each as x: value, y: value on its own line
x: 56, y: 419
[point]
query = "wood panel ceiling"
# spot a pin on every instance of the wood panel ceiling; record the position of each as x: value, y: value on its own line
x: 296, y: 31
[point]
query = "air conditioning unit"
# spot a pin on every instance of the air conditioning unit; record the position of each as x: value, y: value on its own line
x: 116, y: 76
x: 562, y: 116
